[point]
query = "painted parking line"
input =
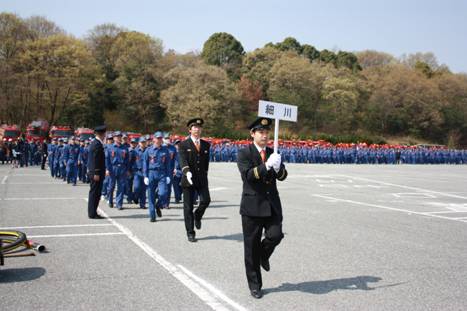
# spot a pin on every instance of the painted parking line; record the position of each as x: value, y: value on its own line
x: 445, y: 212
x: 46, y: 199
x: 405, y: 187
x: 31, y: 175
x: 334, y: 199
x: 210, y: 295
x: 56, y: 226
x: 212, y: 289
x: 414, y: 195
x: 75, y: 235
x: 4, y: 179
x: 36, y: 183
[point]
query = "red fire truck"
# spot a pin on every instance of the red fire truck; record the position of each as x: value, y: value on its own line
x: 132, y: 135
x: 60, y: 131
x: 84, y: 133
x: 37, y: 130
x: 9, y: 133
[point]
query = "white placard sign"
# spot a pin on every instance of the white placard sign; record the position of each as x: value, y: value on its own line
x: 277, y: 112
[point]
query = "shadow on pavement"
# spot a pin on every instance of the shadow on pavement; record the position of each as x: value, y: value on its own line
x: 181, y: 219
x: 231, y: 237
x: 163, y: 218
x: 327, y: 286
x: 20, y: 274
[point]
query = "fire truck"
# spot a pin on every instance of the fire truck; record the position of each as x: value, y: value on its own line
x: 37, y: 130
x: 84, y: 133
x: 9, y: 133
x: 132, y: 135
x: 60, y: 131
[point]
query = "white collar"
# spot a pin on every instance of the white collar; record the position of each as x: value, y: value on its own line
x: 195, y: 140
x: 259, y: 148
x: 99, y: 139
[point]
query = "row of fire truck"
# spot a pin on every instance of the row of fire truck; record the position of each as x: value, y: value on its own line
x: 39, y: 130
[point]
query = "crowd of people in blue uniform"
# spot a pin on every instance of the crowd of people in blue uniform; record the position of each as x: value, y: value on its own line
x: 68, y: 157
x: 137, y: 169
x: 145, y: 170
x: 139, y: 164
x: 350, y: 154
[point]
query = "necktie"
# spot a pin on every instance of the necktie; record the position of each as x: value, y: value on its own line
x: 263, y: 155
x: 197, y: 145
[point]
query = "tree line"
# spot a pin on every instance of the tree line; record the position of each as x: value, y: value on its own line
x: 127, y: 79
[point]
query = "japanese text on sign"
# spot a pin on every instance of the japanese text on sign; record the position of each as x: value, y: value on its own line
x: 277, y: 111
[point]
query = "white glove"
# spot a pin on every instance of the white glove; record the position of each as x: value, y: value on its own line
x: 188, y: 177
x: 167, y: 180
x: 277, y: 160
x: 269, y: 162
x: 146, y: 181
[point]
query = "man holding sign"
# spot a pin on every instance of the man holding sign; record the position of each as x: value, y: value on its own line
x: 260, y: 205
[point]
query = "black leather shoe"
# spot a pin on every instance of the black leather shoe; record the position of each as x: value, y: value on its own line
x: 153, y: 219
x: 198, y: 223
x: 192, y: 238
x: 265, y: 264
x: 158, y: 212
x: 111, y: 205
x: 256, y: 293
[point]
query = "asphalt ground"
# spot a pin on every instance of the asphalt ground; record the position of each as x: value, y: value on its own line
x: 356, y: 238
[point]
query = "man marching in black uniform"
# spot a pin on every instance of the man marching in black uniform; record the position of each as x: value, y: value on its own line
x: 194, y: 161
x: 96, y: 171
x: 260, y: 206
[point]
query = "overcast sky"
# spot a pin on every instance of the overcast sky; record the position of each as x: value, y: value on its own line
x: 396, y: 26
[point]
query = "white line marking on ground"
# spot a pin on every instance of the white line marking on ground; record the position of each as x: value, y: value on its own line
x: 336, y: 186
x: 37, y: 183
x: 37, y: 175
x: 455, y: 207
x: 385, y: 207
x: 405, y: 187
x: 56, y: 226
x: 214, y: 290
x: 208, y: 296
x: 445, y: 212
x: 323, y: 181
x: 310, y: 176
x: 367, y: 186
x: 415, y: 195
x: 72, y: 235
x: 34, y: 199
x: 460, y: 218
x: 4, y: 179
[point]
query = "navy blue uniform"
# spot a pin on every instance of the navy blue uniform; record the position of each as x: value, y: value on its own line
x: 156, y: 168
x: 117, y: 162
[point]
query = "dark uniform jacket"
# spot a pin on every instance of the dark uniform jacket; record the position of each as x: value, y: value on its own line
x: 260, y: 197
x: 195, y: 162
x: 96, y: 158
